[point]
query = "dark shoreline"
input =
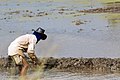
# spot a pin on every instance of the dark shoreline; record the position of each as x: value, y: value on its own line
x: 113, y: 7
x: 89, y: 65
x: 103, y: 10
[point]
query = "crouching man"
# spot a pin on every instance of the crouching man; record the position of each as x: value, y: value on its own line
x: 25, y: 43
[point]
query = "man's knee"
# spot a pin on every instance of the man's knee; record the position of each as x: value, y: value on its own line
x: 25, y: 63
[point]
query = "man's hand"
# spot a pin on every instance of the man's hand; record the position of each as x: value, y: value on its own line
x: 36, y: 63
x: 34, y: 58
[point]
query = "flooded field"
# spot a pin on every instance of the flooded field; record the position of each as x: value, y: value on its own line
x: 79, y: 28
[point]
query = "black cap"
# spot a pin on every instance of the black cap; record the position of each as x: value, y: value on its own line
x: 39, y: 30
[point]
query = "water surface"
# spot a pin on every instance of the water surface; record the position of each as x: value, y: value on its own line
x: 48, y: 75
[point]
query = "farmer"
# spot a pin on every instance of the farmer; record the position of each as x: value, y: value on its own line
x: 25, y: 44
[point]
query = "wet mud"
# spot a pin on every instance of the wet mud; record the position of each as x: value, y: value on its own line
x: 89, y: 65
x: 103, y: 10
x: 110, y: 8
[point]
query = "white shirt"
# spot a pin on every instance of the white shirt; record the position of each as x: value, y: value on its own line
x: 24, y: 41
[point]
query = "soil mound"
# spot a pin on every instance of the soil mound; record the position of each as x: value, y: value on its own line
x: 92, y: 65
x: 103, y: 10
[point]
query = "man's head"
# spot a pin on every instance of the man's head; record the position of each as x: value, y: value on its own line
x: 39, y: 33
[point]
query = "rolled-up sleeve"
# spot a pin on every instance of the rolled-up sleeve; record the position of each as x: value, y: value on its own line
x: 31, y: 46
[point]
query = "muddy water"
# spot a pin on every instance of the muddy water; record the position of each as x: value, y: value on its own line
x: 64, y: 76
x: 70, y: 33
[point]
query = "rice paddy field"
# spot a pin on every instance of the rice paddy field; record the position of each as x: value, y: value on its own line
x: 75, y: 28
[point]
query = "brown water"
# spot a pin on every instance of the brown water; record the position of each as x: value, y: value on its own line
x: 51, y: 75
x: 98, y: 36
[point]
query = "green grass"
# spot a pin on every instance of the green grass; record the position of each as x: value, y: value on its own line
x: 108, y: 1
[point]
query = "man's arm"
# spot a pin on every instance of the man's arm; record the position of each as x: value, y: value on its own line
x: 31, y: 48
